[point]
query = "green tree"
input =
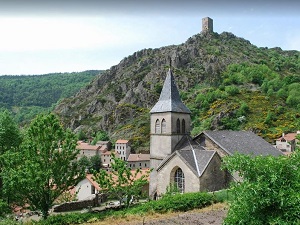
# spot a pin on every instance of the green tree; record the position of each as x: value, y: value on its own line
x: 121, y: 183
x: 10, y: 136
x: 100, y: 136
x: 46, y: 165
x: 90, y: 164
x: 269, y: 192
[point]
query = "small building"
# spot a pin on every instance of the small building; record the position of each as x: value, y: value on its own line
x: 87, y: 188
x: 207, y: 25
x: 288, y: 142
x: 106, y: 159
x: 122, y: 147
x: 138, y: 161
x: 87, y: 150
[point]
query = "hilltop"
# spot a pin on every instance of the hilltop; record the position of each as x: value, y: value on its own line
x: 227, y: 83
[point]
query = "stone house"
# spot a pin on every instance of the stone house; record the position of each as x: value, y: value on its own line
x: 138, y: 161
x: 89, y: 150
x: 122, y: 147
x: 287, y: 143
x: 192, y: 164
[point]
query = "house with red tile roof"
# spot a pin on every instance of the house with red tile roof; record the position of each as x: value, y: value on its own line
x: 138, y: 161
x: 288, y: 142
x: 122, y: 147
x: 92, y: 150
x: 87, y: 188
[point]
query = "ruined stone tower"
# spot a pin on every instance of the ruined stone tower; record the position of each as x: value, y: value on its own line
x: 207, y: 24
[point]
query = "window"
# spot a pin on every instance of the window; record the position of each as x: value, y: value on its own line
x: 157, y: 126
x: 179, y: 180
x: 92, y: 189
x: 163, y: 126
x: 140, y: 164
x: 183, y: 126
x: 178, y: 126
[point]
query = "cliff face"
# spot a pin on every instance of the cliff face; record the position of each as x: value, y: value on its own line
x: 118, y: 101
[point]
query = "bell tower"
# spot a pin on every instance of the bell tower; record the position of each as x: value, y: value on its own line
x: 170, y: 121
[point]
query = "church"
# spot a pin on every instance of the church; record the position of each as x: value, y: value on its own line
x: 192, y: 164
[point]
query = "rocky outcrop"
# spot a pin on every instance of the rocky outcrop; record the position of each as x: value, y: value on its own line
x: 127, y: 91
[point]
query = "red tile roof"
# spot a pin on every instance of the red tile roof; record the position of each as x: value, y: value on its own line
x: 138, y: 157
x: 122, y: 141
x: 86, y: 146
x: 288, y: 137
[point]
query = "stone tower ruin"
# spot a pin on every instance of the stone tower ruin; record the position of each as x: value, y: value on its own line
x: 207, y: 24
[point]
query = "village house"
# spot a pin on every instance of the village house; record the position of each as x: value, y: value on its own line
x: 122, y: 147
x: 140, y: 161
x: 287, y: 143
x: 89, y: 150
x: 86, y: 188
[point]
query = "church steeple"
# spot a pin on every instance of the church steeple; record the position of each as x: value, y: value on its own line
x: 169, y: 100
x: 170, y: 122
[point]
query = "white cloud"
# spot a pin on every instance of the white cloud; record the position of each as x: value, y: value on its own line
x: 35, y: 34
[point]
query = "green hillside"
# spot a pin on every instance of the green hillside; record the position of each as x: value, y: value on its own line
x: 27, y: 96
x: 227, y: 82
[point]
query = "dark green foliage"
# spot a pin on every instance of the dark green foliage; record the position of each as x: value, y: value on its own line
x: 269, y: 193
x: 100, y: 136
x: 10, y: 136
x: 28, y: 96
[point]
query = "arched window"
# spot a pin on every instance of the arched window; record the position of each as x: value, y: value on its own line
x: 179, y: 180
x: 183, y: 126
x: 157, y: 126
x: 163, y: 126
x: 178, y: 126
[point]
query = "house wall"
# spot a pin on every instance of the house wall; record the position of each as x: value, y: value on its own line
x: 106, y: 159
x: 165, y: 176
x: 213, y: 178
x: 84, y: 189
x: 285, y: 146
x: 88, y: 153
x: 123, y: 149
x: 138, y: 164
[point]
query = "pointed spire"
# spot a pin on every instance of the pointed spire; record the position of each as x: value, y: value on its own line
x: 169, y: 100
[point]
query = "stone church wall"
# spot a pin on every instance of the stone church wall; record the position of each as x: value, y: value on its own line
x: 213, y: 178
x: 166, y: 176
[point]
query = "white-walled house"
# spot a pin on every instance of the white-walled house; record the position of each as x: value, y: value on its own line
x: 138, y: 161
x: 86, y: 188
x: 287, y: 142
x: 122, y: 147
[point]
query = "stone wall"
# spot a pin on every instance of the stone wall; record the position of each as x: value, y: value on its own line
x: 71, y: 206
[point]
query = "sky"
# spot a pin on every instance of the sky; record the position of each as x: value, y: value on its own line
x: 43, y: 36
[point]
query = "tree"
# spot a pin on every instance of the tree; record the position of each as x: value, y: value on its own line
x: 90, y: 164
x: 269, y: 192
x: 10, y: 136
x: 45, y: 167
x: 121, y: 183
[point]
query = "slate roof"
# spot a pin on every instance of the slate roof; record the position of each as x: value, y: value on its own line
x: 245, y: 142
x: 169, y: 100
x: 196, y: 159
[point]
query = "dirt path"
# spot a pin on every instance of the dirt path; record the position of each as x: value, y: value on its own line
x: 210, y: 215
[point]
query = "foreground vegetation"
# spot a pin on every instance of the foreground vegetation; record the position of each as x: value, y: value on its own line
x: 169, y: 203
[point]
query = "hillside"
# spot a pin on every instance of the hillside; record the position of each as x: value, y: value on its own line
x: 227, y: 83
x: 27, y: 96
